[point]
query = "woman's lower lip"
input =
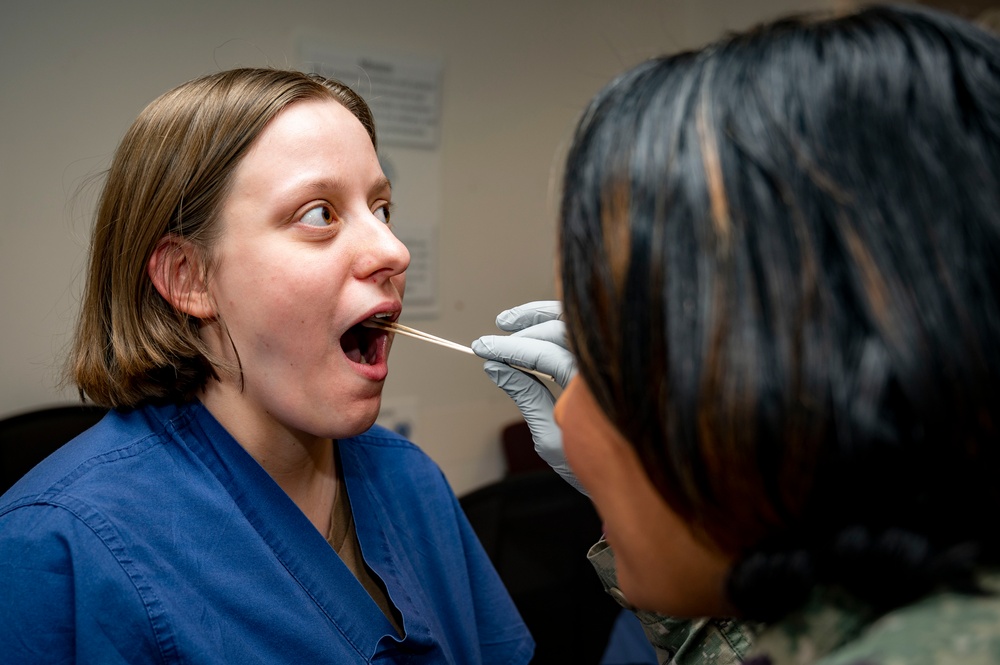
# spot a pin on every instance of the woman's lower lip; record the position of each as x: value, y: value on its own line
x: 379, y: 369
x: 374, y: 372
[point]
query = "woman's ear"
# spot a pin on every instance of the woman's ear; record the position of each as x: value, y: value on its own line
x: 177, y: 273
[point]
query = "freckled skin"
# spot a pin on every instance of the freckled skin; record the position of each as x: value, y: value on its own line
x: 304, y: 254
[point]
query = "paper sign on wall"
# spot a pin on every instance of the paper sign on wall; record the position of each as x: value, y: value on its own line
x: 405, y: 97
x: 421, y: 283
x: 404, y: 94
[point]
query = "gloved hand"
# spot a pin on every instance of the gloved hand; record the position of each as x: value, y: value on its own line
x: 538, y: 342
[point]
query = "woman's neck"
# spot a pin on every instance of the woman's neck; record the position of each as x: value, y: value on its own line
x: 304, y: 466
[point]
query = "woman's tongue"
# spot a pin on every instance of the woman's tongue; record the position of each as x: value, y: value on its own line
x: 358, y: 345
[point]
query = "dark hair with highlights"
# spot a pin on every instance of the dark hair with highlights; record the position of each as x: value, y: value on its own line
x: 780, y: 259
x: 170, y: 175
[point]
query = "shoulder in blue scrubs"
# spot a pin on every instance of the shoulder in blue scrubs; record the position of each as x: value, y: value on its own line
x: 154, y: 537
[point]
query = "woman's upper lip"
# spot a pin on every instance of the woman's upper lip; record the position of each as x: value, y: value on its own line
x: 394, y: 309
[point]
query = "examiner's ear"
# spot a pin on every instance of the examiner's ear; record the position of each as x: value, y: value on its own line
x: 176, y: 270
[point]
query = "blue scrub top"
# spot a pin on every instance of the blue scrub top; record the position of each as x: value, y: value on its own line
x: 155, y: 537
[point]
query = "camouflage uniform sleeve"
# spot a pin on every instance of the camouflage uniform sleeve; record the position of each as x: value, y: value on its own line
x: 679, y: 641
x: 939, y: 629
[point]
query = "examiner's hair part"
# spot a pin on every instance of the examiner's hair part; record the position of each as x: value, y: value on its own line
x: 170, y: 175
x: 780, y: 259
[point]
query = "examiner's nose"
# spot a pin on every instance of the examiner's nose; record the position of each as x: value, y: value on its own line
x: 568, y: 393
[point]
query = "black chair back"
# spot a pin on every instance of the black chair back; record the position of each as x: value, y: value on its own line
x: 536, y: 530
x: 28, y: 438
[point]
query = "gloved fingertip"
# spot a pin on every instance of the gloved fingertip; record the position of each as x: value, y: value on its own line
x: 505, y: 318
x: 484, y: 347
x: 508, y: 379
x: 497, y: 371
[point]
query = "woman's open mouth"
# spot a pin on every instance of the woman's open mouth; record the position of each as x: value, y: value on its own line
x: 364, y: 346
x: 367, y: 346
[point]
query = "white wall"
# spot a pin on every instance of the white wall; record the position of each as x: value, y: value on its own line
x: 73, y: 75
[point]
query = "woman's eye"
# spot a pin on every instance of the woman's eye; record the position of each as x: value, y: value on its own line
x: 321, y: 215
x: 382, y: 213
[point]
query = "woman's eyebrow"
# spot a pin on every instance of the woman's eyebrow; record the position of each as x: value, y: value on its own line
x: 323, y: 185
x: 380, y: 185
x: 320, y: 186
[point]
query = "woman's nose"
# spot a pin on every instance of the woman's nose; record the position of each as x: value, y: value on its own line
x: 382, y: 253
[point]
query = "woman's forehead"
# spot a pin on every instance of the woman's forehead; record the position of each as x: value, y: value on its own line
x: 310, y: 142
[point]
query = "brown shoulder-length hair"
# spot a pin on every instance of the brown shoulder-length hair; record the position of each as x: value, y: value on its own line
x: 170, y: 176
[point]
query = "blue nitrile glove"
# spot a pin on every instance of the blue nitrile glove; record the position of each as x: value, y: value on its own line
x: 538, y: 342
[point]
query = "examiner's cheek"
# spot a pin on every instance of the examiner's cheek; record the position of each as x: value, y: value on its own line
x: 567, y: 416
